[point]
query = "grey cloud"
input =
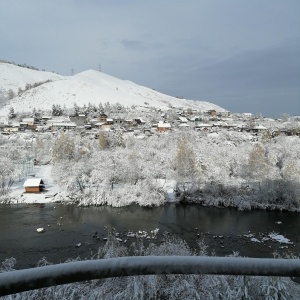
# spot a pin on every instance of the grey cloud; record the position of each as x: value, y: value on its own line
x: 264, y: 81
x: 220, y: 51
x: 132, y: 44
x: 278, y: 67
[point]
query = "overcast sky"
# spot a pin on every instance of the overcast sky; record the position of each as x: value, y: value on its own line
x: 242, y: 55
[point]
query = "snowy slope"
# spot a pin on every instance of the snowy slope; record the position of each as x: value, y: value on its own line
x: 86, y: 87
x: 14, y: 77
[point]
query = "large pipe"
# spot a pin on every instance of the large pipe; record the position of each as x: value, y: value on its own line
x: 36, y: 278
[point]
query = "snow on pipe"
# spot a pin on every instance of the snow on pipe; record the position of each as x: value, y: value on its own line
x: 36, y: 278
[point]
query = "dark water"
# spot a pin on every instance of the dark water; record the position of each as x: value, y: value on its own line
x: 223, y: 230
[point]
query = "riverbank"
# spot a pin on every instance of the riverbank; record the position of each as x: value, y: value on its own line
x: 149, y: 194
x: 109, y: 198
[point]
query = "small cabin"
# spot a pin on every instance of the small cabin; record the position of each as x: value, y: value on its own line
x: 34, y: 185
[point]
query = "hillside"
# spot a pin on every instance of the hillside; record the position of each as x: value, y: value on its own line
x: 14, y: 77
x: 87, y: 87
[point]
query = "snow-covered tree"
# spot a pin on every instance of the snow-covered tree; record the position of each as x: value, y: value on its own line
x: 185, y: 166
x: 8, y: 174
x: 63, y: 148
x: 57, y: 110
x: 258, y: 162
x: 76, y: 109
x: 10, y: 94
x: 103, y: 140
x: 11, y: 114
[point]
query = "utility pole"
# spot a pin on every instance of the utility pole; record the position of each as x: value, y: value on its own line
x: 72, y: 71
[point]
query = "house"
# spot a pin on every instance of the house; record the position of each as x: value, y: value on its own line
x: 196, y: 119
x: 259, y: 128
x: 183, y: 119
x: 211, y: 112
x: 183, y: 125
x: 23, y: 125
x: 247, y: 115
x: 99, y: 124
x: 203, y: 126
x: 28, y: 121
x: 102, y: 117
x: 109, y: 121
x: 79, y: 120
x: 119, y: 120
x: 63, y: 125
x: 223, y: 114
x: 139, y: 121
x: 11, y: 128
x: 45, y: 119
x: 34, y: 185
x: 163, y: 127
x: 129, y: 121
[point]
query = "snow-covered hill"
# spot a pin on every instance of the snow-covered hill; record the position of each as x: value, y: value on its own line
x: 14, y: 77
x: 83, y: 88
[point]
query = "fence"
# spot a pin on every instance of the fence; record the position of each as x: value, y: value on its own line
x: 36, y: 278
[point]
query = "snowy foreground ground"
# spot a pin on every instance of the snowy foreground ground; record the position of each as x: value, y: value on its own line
x: 18, y: 194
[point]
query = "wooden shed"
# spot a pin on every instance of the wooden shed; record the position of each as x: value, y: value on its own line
x: 34, y: 185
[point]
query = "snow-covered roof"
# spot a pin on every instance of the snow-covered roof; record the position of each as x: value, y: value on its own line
x: 28, y: 119
x: 66, y: 124
x: 259, y: 127
x: 220, y: 123
x: 183, y: 119
x: 203, y: 125
x: 164, y: 125
x: 33, y: 182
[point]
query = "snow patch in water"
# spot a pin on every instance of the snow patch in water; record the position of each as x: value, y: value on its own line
x: 279, y: 238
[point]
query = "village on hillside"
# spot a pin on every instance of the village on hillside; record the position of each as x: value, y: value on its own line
x: 43, y: 171
x: 145, y: 121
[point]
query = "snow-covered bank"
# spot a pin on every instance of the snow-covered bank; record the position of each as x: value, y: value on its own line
x: 18, y: 194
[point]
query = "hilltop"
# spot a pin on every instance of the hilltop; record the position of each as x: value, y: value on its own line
x: 40, y: 90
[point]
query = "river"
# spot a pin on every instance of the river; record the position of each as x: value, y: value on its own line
x: 224, y: 230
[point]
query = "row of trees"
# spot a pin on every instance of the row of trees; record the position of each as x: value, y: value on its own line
x: 224, y: 170
x: 11, y: 94
x: 214, y: 169
x: 19, y: 65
